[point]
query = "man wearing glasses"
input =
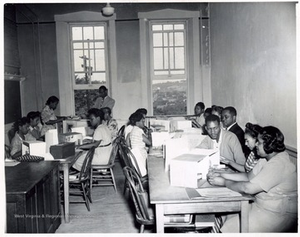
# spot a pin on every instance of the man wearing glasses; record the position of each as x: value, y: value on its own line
x: 226, y: 141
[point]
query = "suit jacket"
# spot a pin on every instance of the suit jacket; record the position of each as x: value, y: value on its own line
x: 230, y: 147
x: 239, y: 132
x: 106, y: 102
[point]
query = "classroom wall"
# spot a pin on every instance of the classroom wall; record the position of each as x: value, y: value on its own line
x: 253, y: 63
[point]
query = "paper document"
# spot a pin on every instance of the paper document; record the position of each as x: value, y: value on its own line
x: 200, y: 193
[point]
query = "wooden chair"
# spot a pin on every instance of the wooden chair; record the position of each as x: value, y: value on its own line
x: 144, y: 212
x: 80, y: 183
x: 139, y: 198
x: 103, y: 175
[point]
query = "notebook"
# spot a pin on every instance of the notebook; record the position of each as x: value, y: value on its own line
x: 204, y: 220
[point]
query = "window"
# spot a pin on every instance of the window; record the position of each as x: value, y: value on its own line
x: 170, y: 61
x: 169, y: 81
x: 86, y: 59
x: 89, y: 43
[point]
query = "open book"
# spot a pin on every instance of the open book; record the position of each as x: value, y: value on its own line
x: 200, y: 193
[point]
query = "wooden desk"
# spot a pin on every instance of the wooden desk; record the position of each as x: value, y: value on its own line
x: 64, y: 165
x: 32, y: 197
x: 174, y: 200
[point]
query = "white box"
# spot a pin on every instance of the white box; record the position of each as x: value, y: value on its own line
x: 34, y: 148
x: 180, y: 124
x: 187, y: 169
x: 159, y: 138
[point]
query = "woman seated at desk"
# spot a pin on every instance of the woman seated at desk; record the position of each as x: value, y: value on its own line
x: 101, y: 140
x: 21, y: 127
x: 274, y: 184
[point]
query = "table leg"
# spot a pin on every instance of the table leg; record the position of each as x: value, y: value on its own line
x: 244, y: 217
x: 159, y: 215
x: 66, y: 192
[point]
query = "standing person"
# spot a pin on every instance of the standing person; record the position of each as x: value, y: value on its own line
x: 104, y: 100
x: 273, y: 181
x: 251, y: 134
x: 101, y: 140
x: 139, y: 141
x: 225, y: 141
x: 110, y: 122
x: 21, y: 127
x: 48, y: 117
x: 229, y: 123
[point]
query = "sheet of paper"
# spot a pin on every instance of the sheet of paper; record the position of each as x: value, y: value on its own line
x: 217, y: 192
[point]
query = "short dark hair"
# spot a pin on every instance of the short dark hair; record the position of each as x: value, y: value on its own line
x: 103, y: 88
x: 253, y: 129
x: 142, y: 111
x: 212, y: 118
x: 52, y: 99
x: 20, y: 122
x: 33, y: 115
x: 96, y: 112
x: 135, y: 117
x: 231, y: 110
x: 201, y: 105
x: 273, y: 139
x: 104, y: 109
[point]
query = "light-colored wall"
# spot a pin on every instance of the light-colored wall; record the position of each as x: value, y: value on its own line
x: 253, y: 63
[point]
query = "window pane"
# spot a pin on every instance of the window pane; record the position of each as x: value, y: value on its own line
x: 166, y: 43
x: 88, y: 32
x: 156, y: 27
x: 100, y: 60
x: 158, y: 73
x: 158, y: 58
x: 78, y: 62
x: 166, y: 59
x: 81, y: 78
x: 77, y: 33
x: 99, y: 33
x: 171, y: 51
x: 77, y: 46
x: 99, y: 45
x: 179, y: 26
x: 157, y: 39
x: 98, y: 78
x: 168, y: 27
x: 169, y: 97
x: 177, y: 72
x: 179, y: 58
x: 171, y: 40
x: 179, y: 39
x: 84, y: 100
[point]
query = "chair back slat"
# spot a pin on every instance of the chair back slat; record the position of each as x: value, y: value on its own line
x: 85, y: 172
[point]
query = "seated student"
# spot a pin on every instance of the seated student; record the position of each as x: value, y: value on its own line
x: 229, y: 123
x: 35, y: 125
x: 199, y: 113
x: 217, y: 110
x: 110, y: 122
x: 251, y: 133
x: 225, y: 141
x: 273, y: 182
x: 101, y: 140
x: 48, y: 117
x: 21, y: 127
x: 139, y: 141
x: 207, y: 112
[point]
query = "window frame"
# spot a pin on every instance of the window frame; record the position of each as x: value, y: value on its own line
x: 64, y: 60
x: 193, y: 54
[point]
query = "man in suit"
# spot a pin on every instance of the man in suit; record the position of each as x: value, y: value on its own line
x: 229, y: 123
x: 228, y: 143
x: 104, y: 100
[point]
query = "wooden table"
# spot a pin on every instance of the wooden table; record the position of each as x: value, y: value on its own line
x: 174, y: 200
x: 65, y: 165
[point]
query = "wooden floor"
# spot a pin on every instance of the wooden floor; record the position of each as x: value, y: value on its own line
x: 110, y: 211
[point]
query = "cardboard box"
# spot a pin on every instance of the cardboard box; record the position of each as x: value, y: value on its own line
x: 70, y: 137
x: 187, y: 169
x: 64, y: 150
